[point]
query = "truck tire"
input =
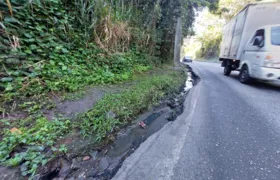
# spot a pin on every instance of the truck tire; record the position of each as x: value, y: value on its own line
x: 227, y: 70
x: 244, y: 76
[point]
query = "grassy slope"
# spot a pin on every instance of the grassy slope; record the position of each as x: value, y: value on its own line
x: 56, y: 57
x: 37, y: 134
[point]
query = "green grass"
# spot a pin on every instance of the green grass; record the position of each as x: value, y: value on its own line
x: 78, y: 70
x: 129, y: 103
x: 37, y: 134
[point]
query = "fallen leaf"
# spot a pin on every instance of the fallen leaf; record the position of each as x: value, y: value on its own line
x: 15, y: 130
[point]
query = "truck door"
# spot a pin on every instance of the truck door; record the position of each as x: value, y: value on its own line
x: 253, y: 53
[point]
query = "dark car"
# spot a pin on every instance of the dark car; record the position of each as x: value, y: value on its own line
x: 187, y: 59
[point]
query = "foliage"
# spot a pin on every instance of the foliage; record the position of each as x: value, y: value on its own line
x: 227, y: 9
x: 205, y: 43
x: 211, y: 27
x: 235, y: 6
x: 210, y: 40
x: 116, y: 109
x: 25, y: 146
x: 60, y: 46
x: 34, y: 136
x: 72, y: 71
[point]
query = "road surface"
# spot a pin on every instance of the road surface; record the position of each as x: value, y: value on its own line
x: 227, y: 131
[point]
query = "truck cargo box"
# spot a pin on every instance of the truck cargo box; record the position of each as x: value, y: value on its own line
x: 238, y: 31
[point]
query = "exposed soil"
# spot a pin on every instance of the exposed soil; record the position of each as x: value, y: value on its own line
x: 70, y: 108
x: 86, y: 161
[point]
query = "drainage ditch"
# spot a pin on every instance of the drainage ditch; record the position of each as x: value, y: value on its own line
x: 103, y: 164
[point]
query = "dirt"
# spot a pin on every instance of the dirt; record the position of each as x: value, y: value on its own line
x: 70, y: 108
x: 10, y: 173
x: 86, y: 161
x: 103, y: 163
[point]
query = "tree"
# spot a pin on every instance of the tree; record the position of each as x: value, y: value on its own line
x: 209, y: 30
x: 229, y: 8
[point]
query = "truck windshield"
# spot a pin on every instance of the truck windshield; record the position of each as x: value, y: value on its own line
x: 275, y: 35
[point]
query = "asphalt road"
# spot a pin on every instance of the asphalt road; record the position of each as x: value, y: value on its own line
x: 227, y: 131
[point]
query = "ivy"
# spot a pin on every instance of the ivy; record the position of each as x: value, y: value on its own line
x: 25, y: 146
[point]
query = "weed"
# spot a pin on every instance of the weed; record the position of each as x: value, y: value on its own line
x: 71, y: 76
x: 24, y: 146
x: 116, y: 109
x: 52, y: 56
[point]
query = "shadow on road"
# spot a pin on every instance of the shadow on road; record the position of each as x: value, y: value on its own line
x: 261, y: 84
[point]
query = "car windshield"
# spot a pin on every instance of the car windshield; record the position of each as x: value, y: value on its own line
x: 275, y: 35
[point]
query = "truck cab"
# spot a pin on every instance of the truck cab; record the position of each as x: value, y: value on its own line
x: 261, y: 56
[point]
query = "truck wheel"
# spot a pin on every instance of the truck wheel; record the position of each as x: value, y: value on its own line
x: 244, y: 76
x: 227, y: 70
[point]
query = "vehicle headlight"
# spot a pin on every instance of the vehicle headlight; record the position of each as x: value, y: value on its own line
x: 268, y: 62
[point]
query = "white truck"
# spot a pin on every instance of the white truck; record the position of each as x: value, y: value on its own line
x: 251, y: 43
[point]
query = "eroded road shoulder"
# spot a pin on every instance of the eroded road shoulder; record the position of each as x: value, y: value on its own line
x: 227, y: 131
x: 157, y: 157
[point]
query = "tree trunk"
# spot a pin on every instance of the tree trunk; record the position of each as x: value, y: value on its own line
x: 178, y: 43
